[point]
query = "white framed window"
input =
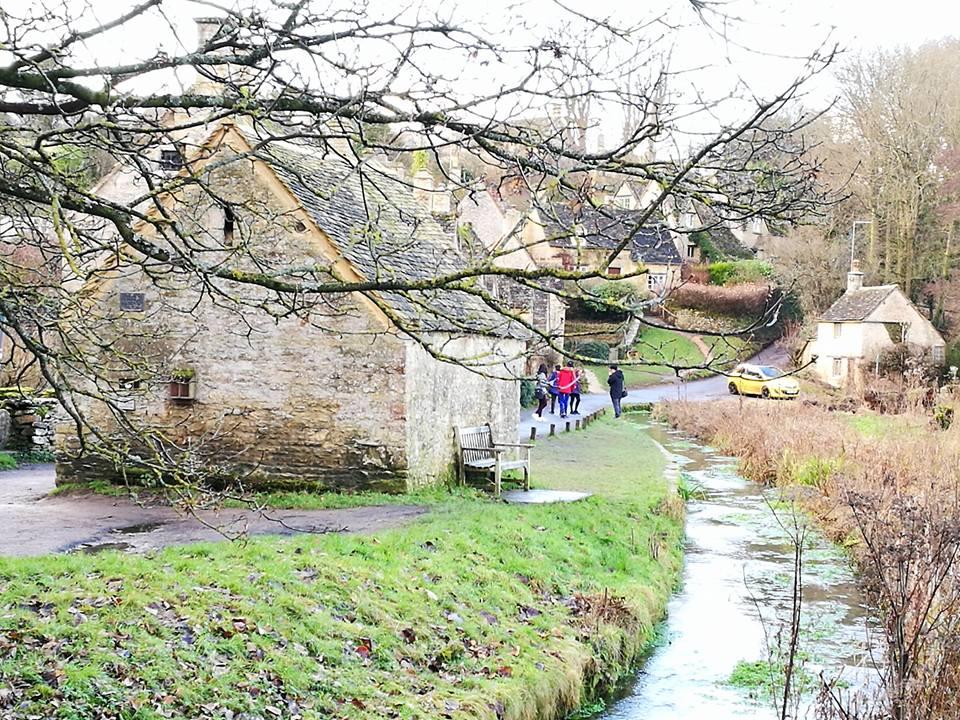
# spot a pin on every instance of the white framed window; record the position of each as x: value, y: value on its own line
x: 691, y: 250
x: 656, y: 281
x: 837, y: 367
x: 938, y: 354
x: 837, y: 330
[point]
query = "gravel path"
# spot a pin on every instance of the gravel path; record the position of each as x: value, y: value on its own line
x: 34, y: 524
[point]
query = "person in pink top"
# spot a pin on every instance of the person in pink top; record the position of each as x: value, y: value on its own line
x: 566, y: 381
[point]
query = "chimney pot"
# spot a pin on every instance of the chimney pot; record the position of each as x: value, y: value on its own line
x: 854, y: 277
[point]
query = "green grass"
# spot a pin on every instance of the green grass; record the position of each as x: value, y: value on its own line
x: 873, y: 426
x: 7, y: 461
x: 656, y: 346
x: 482, y: 609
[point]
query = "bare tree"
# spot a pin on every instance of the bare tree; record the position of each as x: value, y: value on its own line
x: 331, y: 98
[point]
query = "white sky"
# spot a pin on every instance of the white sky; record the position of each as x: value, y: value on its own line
x: 778, y: 32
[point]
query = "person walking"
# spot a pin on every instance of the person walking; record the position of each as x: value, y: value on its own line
x: 617, y: 393
x: 575, y: 394
x: 566, y: 379
x: 540, y: 393
x: 552, y: 388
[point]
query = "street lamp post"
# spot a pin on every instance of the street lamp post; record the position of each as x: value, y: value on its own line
x: 853, y: 236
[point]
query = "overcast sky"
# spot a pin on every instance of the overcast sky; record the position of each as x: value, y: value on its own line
x: 778, y: 33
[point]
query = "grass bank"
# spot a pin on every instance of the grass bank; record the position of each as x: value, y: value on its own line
x: 886, y: 487
x: 481, y: 610
x: 656, y: 346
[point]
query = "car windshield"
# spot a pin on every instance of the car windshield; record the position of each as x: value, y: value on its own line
x: 770, y: 372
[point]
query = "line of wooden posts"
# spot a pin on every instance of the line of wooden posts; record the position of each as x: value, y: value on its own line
x: 578, y: 424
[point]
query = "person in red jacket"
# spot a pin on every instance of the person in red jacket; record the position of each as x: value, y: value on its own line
x: 566, y: 381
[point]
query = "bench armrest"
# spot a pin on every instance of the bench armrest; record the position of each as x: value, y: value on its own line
x: 516, y: 445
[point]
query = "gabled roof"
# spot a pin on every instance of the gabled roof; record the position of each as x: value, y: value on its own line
x: 857, y: 305
x: 384, y: 233
x: 721, y: 236
x: 607, y: 227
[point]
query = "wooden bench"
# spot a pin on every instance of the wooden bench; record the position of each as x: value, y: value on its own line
x: 478, y: 452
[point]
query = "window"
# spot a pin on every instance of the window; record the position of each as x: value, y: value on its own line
x: 837, y: 330
x: 691, y: 250
x: 837, y: 367
x: 228, y: 223
x: 656, y: 281
x: 938, y: 354
x: 132, y: 302
x: 613, y: 271
x: 171, y: 159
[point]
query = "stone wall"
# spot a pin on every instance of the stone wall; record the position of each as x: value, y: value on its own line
x: 32, y: 423
x: 444, y: 395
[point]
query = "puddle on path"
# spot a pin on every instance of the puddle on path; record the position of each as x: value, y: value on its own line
x: 738, y: 567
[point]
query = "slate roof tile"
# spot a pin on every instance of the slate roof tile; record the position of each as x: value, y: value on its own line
x: 386, y: 235
x: 857, y: 305
x: 607, y: 227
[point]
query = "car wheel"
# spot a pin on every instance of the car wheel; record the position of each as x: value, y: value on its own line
x: 733, y: 389
x: 766, y: 393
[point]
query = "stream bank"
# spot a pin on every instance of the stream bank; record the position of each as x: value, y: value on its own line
x: 717, y: 658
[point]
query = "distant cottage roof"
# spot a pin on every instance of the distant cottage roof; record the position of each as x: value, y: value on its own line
x: 607, y: 227
x: 385, y: 234
x: 857, y: 305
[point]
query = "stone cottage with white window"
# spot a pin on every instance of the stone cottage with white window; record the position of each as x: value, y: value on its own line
x: 864, y: 322
x: 582, y: 237
x: 339, y: 390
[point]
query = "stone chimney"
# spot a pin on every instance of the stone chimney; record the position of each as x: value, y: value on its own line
x: 854, y: 277
x: 423, y: 187
x: 207, y: 29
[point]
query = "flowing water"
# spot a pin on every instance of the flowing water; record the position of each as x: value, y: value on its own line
x: 736, y: 595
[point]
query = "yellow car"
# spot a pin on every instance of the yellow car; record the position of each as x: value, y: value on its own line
x: 763, y: 380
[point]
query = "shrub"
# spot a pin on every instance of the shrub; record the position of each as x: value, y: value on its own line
x: 7, y: 461
x: 611, y: 297
x: 736, y: 272
x: 595, y: 349
x: 744, y: 299
x: 528, y: 393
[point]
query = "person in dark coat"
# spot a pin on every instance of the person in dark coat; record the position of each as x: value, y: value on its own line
x: 617, y: 393
x: 552, y: 388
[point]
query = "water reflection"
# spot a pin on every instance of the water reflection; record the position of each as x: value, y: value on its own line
x: 739, y: 563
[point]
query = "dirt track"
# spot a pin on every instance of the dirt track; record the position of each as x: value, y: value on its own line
x: 33, y: 524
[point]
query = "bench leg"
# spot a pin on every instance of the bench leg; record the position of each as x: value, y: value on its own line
x: 461, y: 472
x: 497, y: 475
x: 526, y: 476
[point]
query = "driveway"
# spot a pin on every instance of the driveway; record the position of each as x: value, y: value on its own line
x: 709, y: 388
x: 35, y: 524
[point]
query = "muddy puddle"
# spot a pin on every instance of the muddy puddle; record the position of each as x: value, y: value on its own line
x: 720, y: 636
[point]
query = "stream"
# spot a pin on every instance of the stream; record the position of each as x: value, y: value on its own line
x: 739, y: 567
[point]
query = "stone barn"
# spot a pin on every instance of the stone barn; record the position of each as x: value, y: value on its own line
x: 337, y: 390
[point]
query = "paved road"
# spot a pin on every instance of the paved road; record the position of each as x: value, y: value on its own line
x: 34, y: 524
x: 709, y: 388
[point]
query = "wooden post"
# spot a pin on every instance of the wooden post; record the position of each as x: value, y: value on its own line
x: 553, y: 429
x: 568, y: 426
x: 579, y: 427
x: 533, y: 433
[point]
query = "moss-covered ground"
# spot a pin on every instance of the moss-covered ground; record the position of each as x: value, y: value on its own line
x: 482, y: 609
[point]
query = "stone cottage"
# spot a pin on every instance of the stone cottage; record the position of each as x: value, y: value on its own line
x: 581, y: 238
x: 490, y: 229
x: 336, y: 390
x: 864, y: 322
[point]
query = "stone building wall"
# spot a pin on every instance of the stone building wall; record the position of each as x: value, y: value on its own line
x: 443, y: 395
x: 292, y: 400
